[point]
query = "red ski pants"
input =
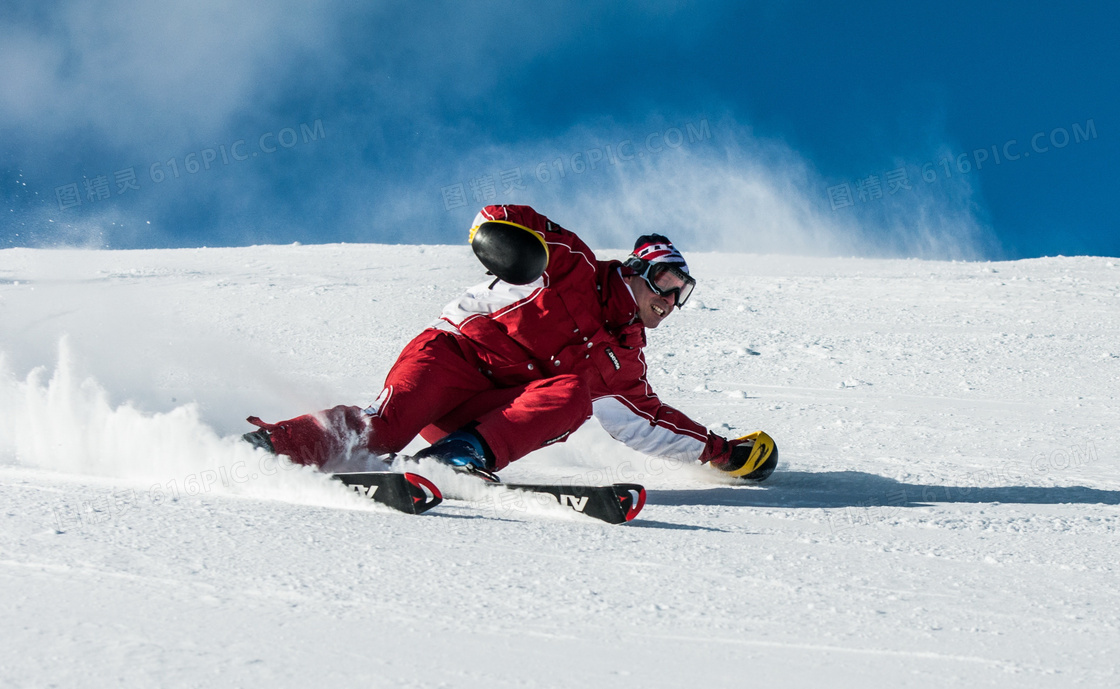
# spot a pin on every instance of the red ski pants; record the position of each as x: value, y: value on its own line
x: 433, y: 389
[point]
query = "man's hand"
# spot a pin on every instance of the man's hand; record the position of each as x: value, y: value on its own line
x: 751, y: 457
x: 719, y: 452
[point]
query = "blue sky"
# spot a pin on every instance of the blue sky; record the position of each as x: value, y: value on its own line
x: 944, y: 130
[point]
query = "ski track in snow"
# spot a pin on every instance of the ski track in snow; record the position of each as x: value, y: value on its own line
x: 945, y: 513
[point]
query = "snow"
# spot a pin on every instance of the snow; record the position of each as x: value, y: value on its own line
x: 945, y: 513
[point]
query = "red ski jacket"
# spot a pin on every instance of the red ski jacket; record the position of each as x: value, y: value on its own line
x: 579, y: 317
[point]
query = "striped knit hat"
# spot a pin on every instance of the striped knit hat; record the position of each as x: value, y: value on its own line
x: 656, y: 248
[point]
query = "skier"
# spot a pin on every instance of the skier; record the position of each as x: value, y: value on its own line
x: 521, y: 361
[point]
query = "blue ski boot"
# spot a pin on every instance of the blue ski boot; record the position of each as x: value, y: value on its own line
x: 464, y: 451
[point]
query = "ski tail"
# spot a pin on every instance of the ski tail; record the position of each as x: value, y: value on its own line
x: 407, y: 492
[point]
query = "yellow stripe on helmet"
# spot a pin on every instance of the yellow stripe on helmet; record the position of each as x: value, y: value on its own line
x: 470, y: 238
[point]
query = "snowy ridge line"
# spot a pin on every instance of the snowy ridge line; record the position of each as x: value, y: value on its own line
x: 928, y: 655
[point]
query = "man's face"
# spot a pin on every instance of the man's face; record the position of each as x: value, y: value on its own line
x: 652, y: 307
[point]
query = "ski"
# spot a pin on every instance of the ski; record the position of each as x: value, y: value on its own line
x: 615, y: 504
x: 407, y: 492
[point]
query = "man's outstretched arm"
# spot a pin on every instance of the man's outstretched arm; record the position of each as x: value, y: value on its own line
x: 634, y: 415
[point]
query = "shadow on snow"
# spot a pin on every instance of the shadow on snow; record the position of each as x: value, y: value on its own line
x: 836, y: 489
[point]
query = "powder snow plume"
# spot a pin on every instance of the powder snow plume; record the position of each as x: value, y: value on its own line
x: 61, y: 422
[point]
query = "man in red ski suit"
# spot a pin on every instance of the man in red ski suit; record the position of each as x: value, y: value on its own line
x: 511, y: 368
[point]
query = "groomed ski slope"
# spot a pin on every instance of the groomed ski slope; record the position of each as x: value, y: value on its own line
x: 945, y: 514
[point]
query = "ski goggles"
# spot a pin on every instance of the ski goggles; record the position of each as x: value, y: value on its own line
x: 666, y: 279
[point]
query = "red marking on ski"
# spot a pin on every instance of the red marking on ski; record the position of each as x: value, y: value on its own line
x: 636, y: 503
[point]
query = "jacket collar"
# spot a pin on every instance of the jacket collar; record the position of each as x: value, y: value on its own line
x: 620, y: 309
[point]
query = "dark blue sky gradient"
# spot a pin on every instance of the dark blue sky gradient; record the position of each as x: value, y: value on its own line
x: 800, y: 97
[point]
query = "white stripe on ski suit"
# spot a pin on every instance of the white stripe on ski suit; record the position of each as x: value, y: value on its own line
x: 484, y: 300
x: 630, y: 425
